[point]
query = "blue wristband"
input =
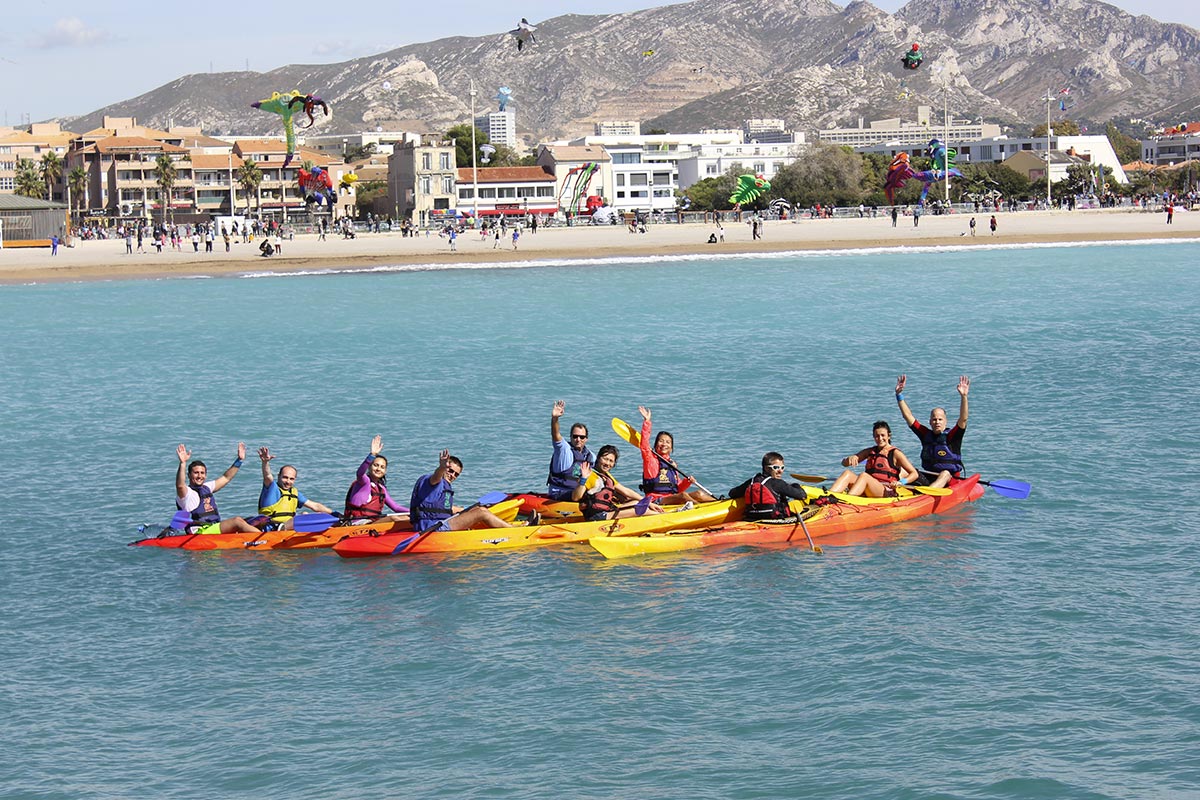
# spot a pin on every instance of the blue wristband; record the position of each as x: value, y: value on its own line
x: 237, y: 462
x: 899, y: 396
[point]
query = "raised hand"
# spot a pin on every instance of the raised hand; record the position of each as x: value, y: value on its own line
x: 265, y: 454
x: 964, y: 385
x: 443, y: 459
x: 558, y: 409
x: 645, y: 412
x: 377, y: 445
x: 241, y: 450
x: 900, y: 383
x: 183, y: 453
x: 585, y: 470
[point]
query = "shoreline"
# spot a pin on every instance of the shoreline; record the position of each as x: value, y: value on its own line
x: 105, y: 260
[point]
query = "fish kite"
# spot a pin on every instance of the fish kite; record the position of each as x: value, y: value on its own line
x: 913, y: 58
x: 316, y: 187
x: 524, y: 33
x: 504, y: 97
x: 285, y: 106
x: 748, y: 188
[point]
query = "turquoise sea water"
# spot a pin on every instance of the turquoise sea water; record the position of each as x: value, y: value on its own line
x: 1044, y: 648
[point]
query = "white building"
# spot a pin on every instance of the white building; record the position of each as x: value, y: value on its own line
x: 501, y: 127
x: 507, y: 191
x: 338, y: 144
x: 895, y: 130
x: 618, y: 127
x: 713, y: 160
x: 1173, y: 148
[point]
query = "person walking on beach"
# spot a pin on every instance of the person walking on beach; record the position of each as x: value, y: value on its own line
x: 1170, y: 212
x: 453, y: 240
x: 992, y: 224
x: 54, y: 245
x: 516, y: 235
x: 140, y: 237
x: 972, y: 226
x: 128, y: 242
x: 225, y: 236
x: 495, y: 236
x: 916, y: 216
x: 895, y: 215
x: 195, y: 241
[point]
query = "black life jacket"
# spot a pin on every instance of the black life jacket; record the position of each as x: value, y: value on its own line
x: 936, y: 454
x: 666, y: 482
x: 600, y: 502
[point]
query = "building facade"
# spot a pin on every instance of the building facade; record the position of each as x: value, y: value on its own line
x: 1178, y: 147
x: 896, y: 132
x: 507, y: 191
x: 423, y: 180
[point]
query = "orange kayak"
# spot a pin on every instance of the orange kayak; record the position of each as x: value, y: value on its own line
x: 821, y: 520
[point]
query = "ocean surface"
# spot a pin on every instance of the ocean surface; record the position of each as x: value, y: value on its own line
x: 1038, y: 648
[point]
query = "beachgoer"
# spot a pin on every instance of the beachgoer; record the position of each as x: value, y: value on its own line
x: 972, y: 226
x: 884, y: 467
x: 280, y: 499
x: 992, y: 224
x: 767, y: 494
x: 566, y: 461
x: 940, y: 448
x: 661, y: 477
x: 916, y: 216
x: 601, y: 496
x: 895, y: 215
x: 194, y: 494
x: 432, y: 504
x: 368, y: 494
x: 516, y: 234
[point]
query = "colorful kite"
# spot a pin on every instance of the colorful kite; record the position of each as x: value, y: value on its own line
x: 504, y: 97
x: 315, y: 186
x: 347, y: 182
x: 285, y: 106
x: 942, y: 169
x: 486, y: 151
x: 899, y: 171
x: 913, y: 58
x: 576, y: 182
x: 748, y: 188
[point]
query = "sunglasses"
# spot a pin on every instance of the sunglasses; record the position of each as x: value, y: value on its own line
x: 776, y: 466
x: 578, y: 436
x: 454, y: 473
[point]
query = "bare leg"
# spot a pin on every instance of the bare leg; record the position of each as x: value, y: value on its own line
x: 844, y: 481
x: 478, y: 517
x: 237, y: 525
x: 943, y: 480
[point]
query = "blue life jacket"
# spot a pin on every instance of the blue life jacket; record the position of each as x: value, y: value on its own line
x: 936, y: 454
x: 205, y: 513
x: 428, y: 509
x: 563, y: 483
x: 666, y: 482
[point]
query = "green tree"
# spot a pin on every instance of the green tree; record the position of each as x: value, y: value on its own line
x: 365, y: 194
x: 250, y: 177
x: 461, y: 134
x: 831, y: 175
x: 655, y: 132
x: 165, y: 175
x: 1127, y: 148
x: 29, y: 181
x: 52, y: 171
x: 77, y: 180
x: 712, y: 194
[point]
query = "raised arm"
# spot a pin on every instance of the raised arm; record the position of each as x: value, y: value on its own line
x: 585, y: 474
x: 181, y: 482
x: 650, y: 466
x: 439, y: 474
x: 964, y: 386
x: 555, y: 412
x: 265, y: 455
x: 909, y: 419
x: 233, y: 468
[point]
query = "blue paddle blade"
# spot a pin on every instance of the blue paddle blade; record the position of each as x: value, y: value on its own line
x: 1018, y: 490
x: 180, y: 520
x: 314, y: 523
x: 642, y: 505
x: 491, y: 498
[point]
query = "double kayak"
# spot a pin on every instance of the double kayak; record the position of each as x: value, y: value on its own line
x: 821, y: 520
x: 548, y: 533
x: 295, y: 540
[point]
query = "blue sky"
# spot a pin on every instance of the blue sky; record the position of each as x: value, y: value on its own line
x: 66, y: 58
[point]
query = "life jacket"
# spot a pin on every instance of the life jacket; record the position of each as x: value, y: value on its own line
x: 433, y: 508
x: 936, y: 454
x: 881, y: 468
x: 205, y: 513
x: 667, y: 481
x: 762, y: 503
x: 372, y: 509
x: 284, y: 508
x: 601, y: 501
x: 561, y: 483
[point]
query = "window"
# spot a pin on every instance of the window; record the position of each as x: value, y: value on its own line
x: 759, y: 168
x: 444, y: 161
x: 545, y: 191
x: 6, y: 183
x: 620, y: 195
x: 620, y: 179
x: 489, y: 193
x: 441, y: 203
x: 525, y: 191
x: 465, y: 194
x: 426, y: 184
x: 642, y: 193
x: 662, y: 178
x: 506, y: 191
x: 639, y: 180
x: 710, y: 169
x: 626, y: 158
x: 426, y: 160
x: 447, y: 184
x: 985, y: 152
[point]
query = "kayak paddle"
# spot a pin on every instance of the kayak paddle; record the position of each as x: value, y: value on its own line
x: 1018, y: 490
x: 315, y: 523
x: 634, y: 437
x: 810, y: 478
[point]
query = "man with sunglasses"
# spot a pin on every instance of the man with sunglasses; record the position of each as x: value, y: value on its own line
x: 565, y: 472
x: 767, y: 494
x: 432, y: 505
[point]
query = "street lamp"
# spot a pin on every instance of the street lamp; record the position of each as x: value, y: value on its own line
x: 1049, y: 99
x: 474, y: 166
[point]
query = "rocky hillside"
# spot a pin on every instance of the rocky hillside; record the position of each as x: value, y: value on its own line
x: 714, y: 63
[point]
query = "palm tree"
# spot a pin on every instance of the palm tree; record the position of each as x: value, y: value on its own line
x: 165, y: 176
x: 29, y: 181
x: 250, y: 177
x: 77, y: 180
x: 52, y: 171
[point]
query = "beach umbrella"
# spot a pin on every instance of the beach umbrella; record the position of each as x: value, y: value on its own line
x: 780, y: 205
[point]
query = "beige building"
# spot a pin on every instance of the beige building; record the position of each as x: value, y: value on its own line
x: 33, y: 143
x: 422, y: 180
x: 579, y: 171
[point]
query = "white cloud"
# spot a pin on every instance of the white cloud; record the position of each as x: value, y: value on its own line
x: 337, y: 48
x: 71, y: 32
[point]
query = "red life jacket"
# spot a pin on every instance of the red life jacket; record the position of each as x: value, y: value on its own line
x: 762, y: 503
x: 600, y: 502
x: 881, y: 467
x: 373, y: 509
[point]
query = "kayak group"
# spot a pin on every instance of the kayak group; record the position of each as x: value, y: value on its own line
x: 578, y: 479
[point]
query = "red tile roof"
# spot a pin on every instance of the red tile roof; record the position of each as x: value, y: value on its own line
x: 507, y: 175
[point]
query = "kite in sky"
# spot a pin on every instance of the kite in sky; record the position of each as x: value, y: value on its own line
x: 913, y: 58
x: 748, y: 188
x: 285, y: 106
x: 524, y: 33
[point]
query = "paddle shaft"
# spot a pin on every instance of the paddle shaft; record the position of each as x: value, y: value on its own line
x: 629, y: 433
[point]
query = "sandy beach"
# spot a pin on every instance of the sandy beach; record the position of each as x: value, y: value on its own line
x: 107, y: 260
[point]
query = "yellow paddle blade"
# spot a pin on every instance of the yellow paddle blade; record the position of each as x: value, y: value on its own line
x: 627, y: 431
x: 810, y: 478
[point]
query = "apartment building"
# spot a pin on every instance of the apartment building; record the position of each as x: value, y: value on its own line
x: 507, y: 191
x: 423, y: 180
x: 32, y: 143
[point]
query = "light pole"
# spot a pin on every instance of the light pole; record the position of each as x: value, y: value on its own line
x: 474, y: 166
x: 1049, y: 100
